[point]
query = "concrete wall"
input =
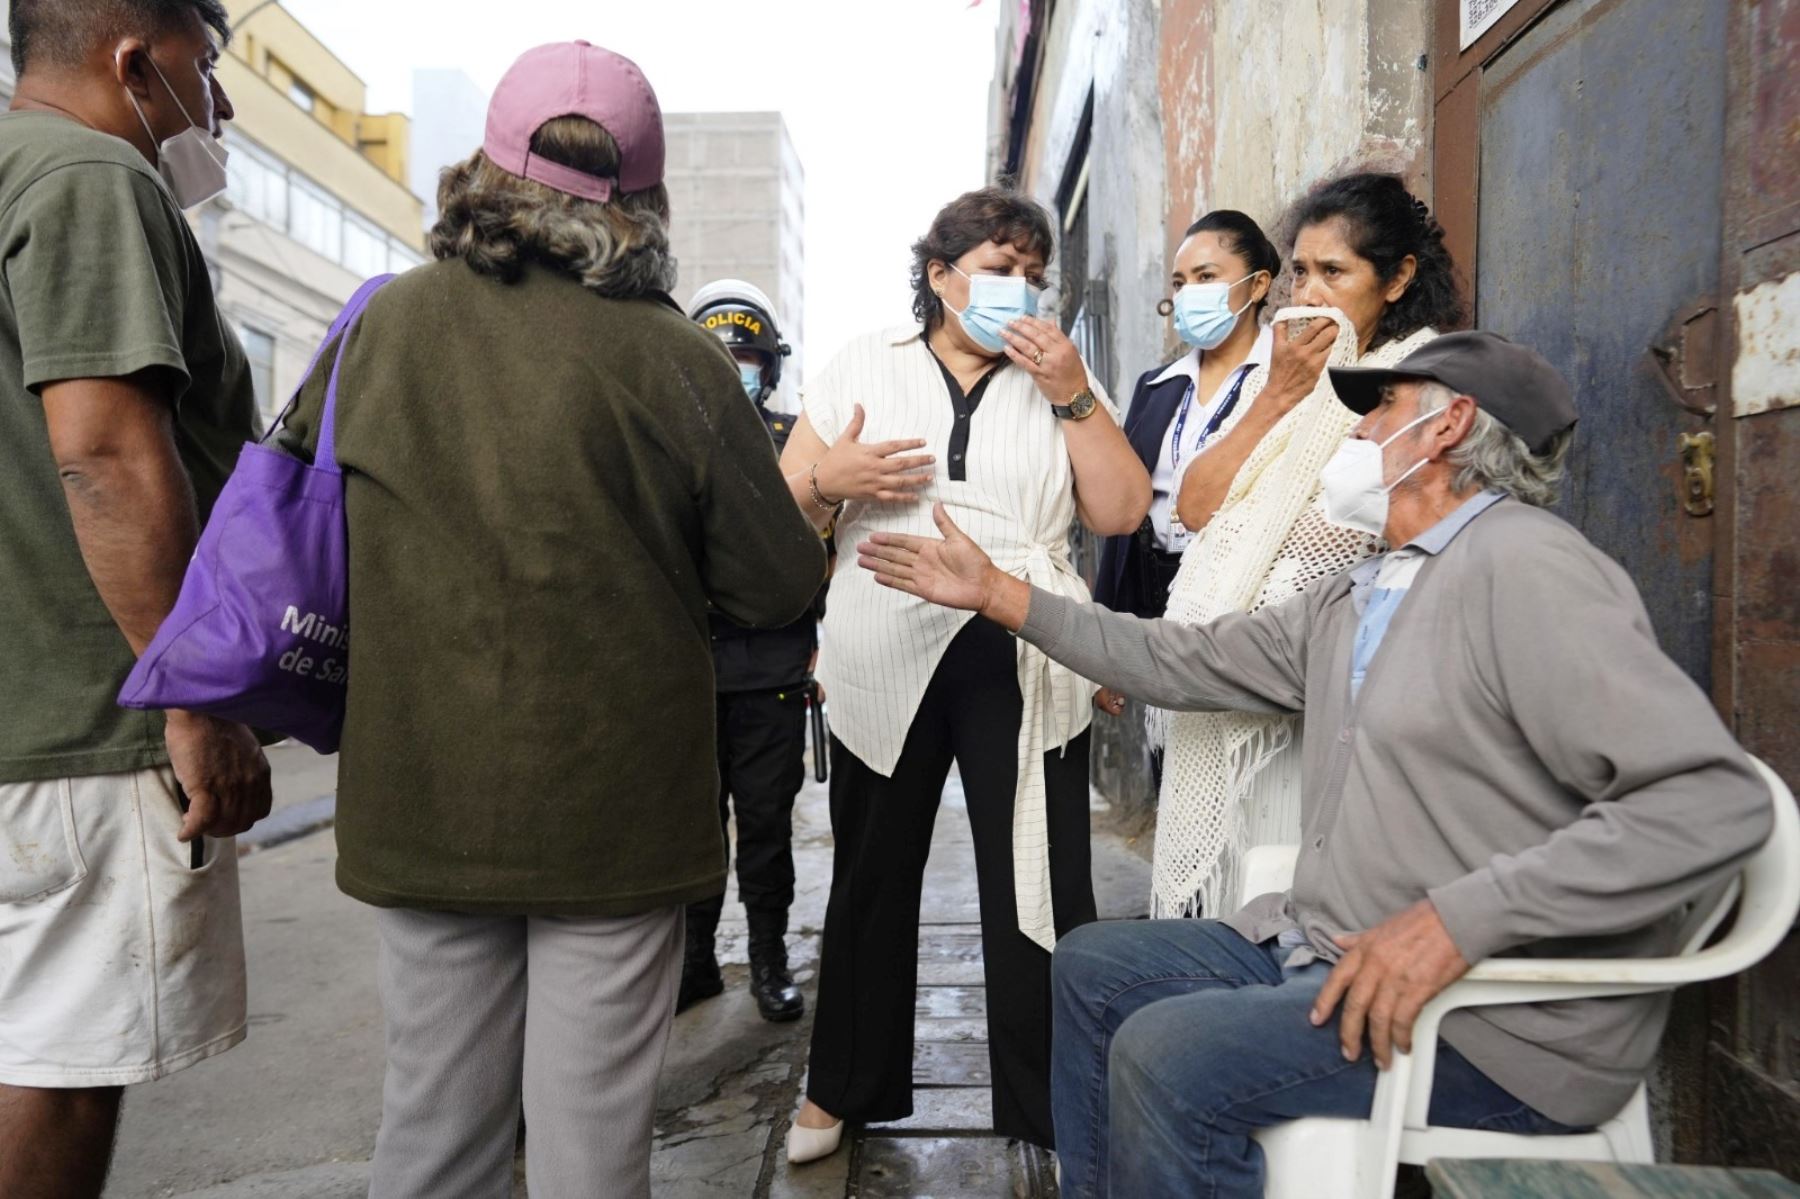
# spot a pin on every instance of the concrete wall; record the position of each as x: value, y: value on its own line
x: 1261, y: 100
x: 737, y: 198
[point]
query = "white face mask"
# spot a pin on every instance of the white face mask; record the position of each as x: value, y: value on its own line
x: 1356, y: 494
x: 192, y: 162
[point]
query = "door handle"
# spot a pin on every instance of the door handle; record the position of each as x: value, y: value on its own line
x: 1697, y: 472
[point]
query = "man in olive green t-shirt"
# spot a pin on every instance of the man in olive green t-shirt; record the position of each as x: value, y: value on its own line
x: 124, y: 398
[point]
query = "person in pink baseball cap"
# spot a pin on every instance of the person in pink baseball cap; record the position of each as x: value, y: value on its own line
x: 570, y: 172
x: 546, y: 496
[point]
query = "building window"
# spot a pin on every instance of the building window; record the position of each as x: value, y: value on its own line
x: 302, y: 95
x: 1083, y: 304
x: 262, y: 186
x: 259, y: 348
x: 259, y: 184
x: 316, y: 220
x: 402, y: 258
x: 365, y: 247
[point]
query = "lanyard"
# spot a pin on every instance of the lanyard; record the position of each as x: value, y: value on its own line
x: 1212, y: 426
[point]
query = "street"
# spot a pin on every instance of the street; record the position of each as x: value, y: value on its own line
x: 292, y: 1113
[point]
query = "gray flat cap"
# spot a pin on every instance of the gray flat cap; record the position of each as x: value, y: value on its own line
x: 1513, y: 382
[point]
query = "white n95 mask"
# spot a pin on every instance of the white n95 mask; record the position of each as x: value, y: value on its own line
x: 1356, y: 495
x: 192, y: 162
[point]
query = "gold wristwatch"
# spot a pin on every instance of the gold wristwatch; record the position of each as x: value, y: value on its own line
x: 1080, y: 406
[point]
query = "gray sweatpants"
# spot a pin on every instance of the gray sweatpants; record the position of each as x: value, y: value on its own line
x: 572, y: 1013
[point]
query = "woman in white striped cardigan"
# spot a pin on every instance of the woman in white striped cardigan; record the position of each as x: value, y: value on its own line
x: 988, y: 408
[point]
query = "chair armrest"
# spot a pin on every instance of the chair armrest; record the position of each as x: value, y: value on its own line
x: 1535, y: 980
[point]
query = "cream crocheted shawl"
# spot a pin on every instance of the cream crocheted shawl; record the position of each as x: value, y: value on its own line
x: 1230, y: 779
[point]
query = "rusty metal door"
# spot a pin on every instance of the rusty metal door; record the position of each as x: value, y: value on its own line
x: 1601, y: 150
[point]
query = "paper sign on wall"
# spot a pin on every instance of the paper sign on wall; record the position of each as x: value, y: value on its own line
x: 1478, y: 16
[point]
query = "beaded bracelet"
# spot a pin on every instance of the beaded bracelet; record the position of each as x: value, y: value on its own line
x: 818, y: 497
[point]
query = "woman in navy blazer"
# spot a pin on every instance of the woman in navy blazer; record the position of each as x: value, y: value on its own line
x: 1223, y: 270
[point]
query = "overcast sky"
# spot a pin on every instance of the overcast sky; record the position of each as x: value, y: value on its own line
x: 886, y: 102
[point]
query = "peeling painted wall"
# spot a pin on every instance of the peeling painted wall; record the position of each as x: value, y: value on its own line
x: 1127, y: 189
x: 1184, y: 76
x: 1766, y: 374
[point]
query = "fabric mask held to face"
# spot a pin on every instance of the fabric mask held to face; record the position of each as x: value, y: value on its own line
x: 1203, y: 313
x: 752, y: 377
x: 1356, y: 494
x: 995, y: 301
x: 192, y: 162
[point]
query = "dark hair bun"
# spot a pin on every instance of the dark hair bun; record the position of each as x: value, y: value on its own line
x: 1243, y: 237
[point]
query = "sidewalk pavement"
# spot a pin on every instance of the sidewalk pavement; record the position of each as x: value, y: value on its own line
x: 292, y: 1113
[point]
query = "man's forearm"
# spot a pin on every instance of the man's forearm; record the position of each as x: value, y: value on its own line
x: 1222, y: 666
x: 135, y: 522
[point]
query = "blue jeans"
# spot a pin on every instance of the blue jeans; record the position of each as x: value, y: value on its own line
x: 1173, y: 1040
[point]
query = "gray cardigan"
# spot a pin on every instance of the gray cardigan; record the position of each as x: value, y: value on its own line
x: 1521, y: 752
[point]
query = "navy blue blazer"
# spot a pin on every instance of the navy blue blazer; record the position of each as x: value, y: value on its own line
x: 1118, y: 585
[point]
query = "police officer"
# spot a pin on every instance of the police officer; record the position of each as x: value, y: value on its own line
x: 762, y: 680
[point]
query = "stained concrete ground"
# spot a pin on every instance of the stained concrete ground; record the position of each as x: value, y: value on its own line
x: 292, y: 1113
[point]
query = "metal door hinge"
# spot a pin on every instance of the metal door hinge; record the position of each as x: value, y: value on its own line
x: 1683, y: 357
x: 1697, y: 472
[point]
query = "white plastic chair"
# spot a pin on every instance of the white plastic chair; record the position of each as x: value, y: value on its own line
x: 1321, y: 1158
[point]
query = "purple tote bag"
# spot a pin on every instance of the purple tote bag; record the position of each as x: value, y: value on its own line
x: 261, y: 631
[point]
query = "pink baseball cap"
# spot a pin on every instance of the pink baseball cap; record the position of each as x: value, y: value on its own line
x: 576, y: 79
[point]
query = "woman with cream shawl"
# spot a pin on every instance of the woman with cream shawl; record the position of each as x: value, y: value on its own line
x: 1373, y: 282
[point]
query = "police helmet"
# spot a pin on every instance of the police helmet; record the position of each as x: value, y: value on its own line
x: 741, y: 316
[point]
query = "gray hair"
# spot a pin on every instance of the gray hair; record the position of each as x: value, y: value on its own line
x: 498, y: 222
x: 1492, y: 455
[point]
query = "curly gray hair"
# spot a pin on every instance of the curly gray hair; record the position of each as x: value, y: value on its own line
x: 1492, y: 455
x: 497, y: 221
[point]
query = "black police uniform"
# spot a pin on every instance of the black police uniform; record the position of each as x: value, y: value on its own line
x: 761, y: 681
x: 761, y: 677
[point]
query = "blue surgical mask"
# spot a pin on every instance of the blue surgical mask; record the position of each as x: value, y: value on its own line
x: 1203, y: 314
x: 995, y: 301
x: 752, y: 377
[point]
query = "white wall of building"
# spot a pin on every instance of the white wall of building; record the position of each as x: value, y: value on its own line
x: 737, y: 198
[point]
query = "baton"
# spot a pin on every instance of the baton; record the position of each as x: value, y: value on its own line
x: 820, y: 748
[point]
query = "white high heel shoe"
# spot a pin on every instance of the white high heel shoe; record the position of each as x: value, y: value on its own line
x: 810, y: 1144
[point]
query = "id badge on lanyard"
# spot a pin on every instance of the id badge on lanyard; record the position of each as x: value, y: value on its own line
x: 1179, y: 535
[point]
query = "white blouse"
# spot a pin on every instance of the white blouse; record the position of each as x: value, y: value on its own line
x: 1171, y: 537
x: 1017, y: 501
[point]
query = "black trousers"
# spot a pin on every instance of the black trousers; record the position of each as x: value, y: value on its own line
x: 862, y: 1044
x: 762, y: 744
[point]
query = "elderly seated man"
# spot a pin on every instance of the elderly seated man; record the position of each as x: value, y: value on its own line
x: 1498, y: 760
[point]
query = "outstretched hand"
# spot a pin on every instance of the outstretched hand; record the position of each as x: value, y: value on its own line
x: 953, y: 573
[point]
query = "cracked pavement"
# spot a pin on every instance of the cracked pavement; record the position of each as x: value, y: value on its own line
x: 292, y: 1113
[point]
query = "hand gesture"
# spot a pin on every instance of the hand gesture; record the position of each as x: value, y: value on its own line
x: 1048, y: 356
x: 1386, y: 976
x: 223, y: 771
x: 954, y: 572
x: 851, y: 470
x: 1109, y: 701
x: 1295, y: 366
